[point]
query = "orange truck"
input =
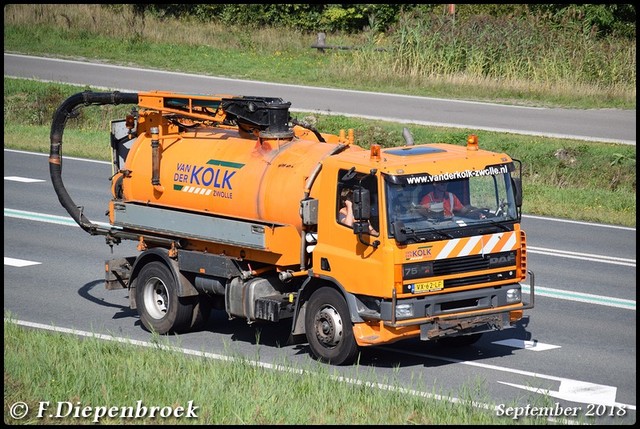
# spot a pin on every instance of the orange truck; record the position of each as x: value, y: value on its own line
x: 236, y: 207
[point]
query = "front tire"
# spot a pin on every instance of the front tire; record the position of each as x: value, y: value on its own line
x: 160, y: 308
x: 328, y: 328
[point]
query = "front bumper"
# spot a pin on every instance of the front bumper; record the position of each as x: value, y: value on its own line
x: 445, y: 315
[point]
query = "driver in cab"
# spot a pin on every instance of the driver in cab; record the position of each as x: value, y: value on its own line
x: 443, y: 203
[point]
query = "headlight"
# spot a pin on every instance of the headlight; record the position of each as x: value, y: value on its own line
x: 404, y: 311
x: 513, y: 296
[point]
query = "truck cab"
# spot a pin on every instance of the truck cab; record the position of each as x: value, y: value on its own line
x: 427, y: 273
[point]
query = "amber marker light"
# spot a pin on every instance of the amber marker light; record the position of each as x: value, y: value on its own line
x: 472, y: 142
x: 375, y: 152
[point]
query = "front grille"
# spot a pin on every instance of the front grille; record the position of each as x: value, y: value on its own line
x: 474, y: 265
x: 466, y: 264
x: 484, y: 278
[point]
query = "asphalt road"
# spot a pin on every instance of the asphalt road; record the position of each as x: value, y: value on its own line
x: 578, y: 343
x: 606, y: 125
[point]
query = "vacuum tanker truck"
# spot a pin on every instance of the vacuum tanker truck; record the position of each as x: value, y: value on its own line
x: 235, y: 207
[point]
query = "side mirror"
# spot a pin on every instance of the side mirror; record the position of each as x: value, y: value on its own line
x: 361, y: 204
x: 517, y: 188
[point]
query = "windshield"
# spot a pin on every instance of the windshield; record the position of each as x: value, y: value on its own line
x: 423, y: 209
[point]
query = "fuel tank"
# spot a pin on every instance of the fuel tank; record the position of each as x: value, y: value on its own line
x: 223, y: 172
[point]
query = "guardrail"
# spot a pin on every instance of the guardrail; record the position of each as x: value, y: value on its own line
x: 321, y: 45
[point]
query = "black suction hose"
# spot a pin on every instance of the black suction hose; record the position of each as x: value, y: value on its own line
x: 64, y: 112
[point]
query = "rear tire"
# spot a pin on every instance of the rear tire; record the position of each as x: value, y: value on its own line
x: 160, y: 308
x: 328, y: 328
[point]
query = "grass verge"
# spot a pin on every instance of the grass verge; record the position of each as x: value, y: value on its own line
x: 79, y: 380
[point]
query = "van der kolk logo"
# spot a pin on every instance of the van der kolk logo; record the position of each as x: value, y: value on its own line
x: 215, y: 178
x: 419, y: 253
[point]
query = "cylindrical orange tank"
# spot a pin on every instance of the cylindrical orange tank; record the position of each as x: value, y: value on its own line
x: 215, y: 170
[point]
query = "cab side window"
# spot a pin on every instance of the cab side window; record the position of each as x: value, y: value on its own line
x: 344, y: 194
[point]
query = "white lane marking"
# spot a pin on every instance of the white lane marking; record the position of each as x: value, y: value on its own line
x: 578, y: 391
x: 41, y: 217
x: 570, y: 390
x: 24, y: 152
x: 526, y: 345
x: 581, y: 297
x: 583, y: 256
x: 22, y: 179
x: 19, y: 262
x: 578, y: 222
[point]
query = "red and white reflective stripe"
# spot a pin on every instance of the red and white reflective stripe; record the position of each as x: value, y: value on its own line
x: 479, y: 244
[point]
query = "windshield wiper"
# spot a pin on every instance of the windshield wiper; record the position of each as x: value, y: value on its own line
x: 402, y: 232
x: 436, y: 231
x: 411, y: 233
x: 498, y: 224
